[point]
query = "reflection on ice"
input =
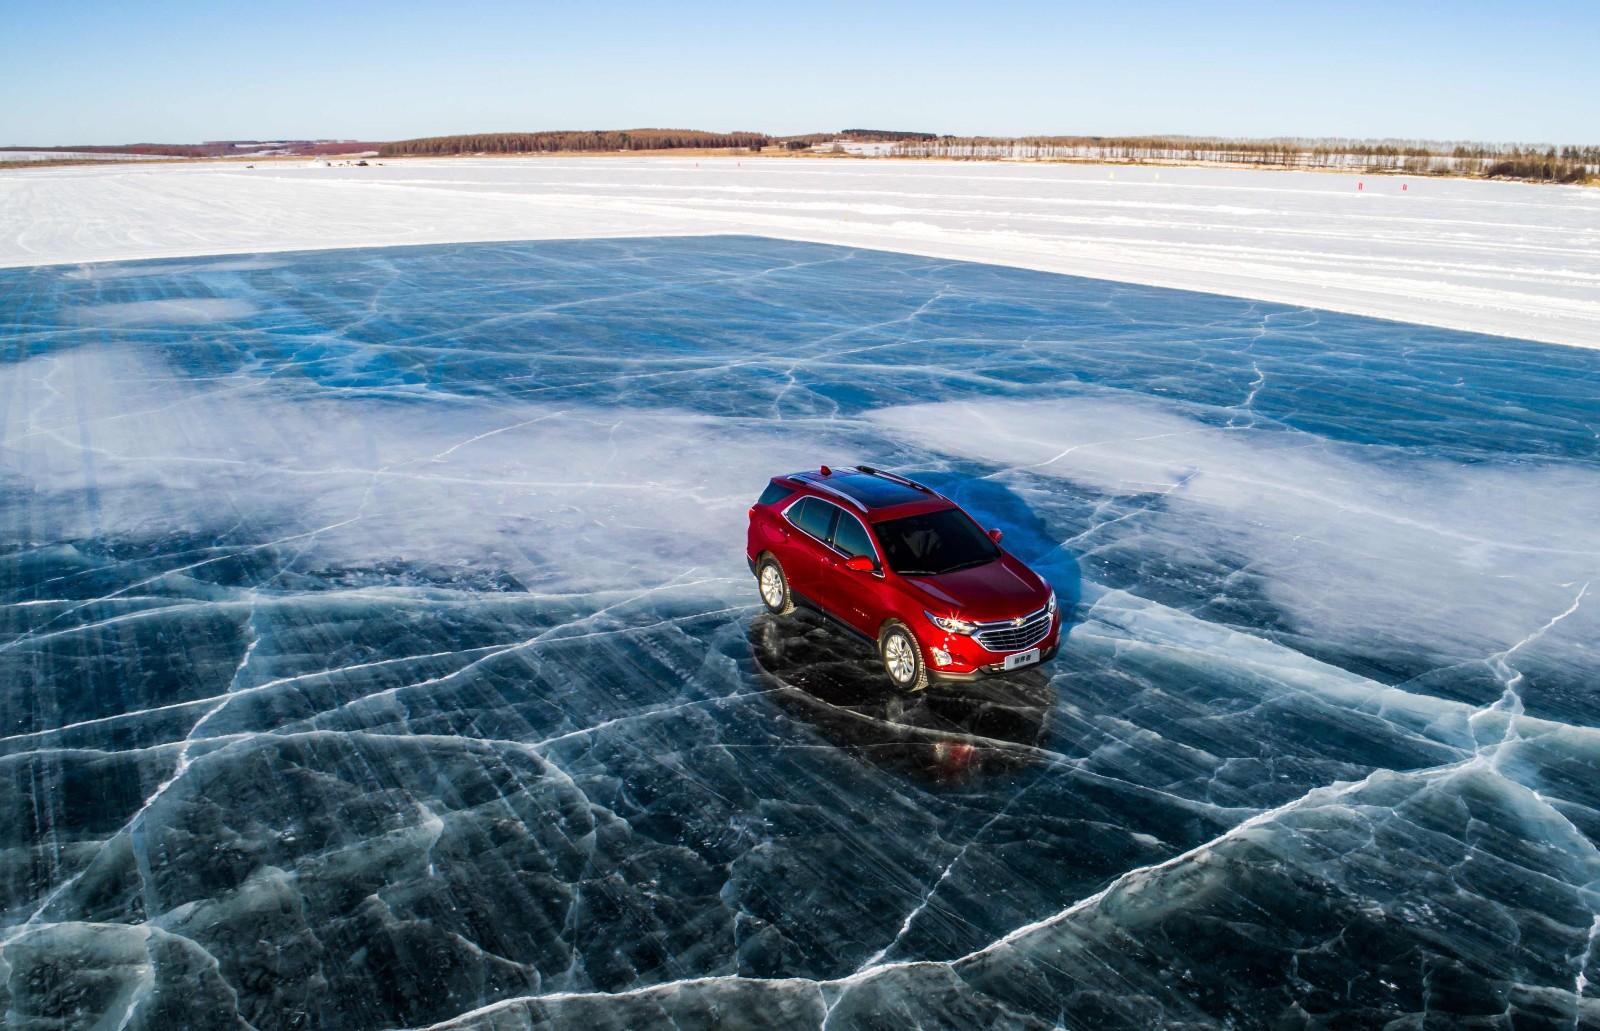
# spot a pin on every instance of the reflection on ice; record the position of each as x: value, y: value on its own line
x: 825, y: 677
x: 377, y: 649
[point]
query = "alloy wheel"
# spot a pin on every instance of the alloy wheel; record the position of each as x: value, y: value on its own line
x: 899, y: 658
x: 771, y: 586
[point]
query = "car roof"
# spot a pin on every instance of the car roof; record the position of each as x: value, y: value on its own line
x: 872, y: 491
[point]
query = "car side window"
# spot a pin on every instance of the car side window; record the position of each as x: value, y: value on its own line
x: 814, y: 517
x: 851, y: 537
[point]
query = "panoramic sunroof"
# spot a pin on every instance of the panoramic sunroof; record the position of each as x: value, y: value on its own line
x: 874, y: 491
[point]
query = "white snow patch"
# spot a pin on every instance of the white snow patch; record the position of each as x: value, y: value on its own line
x: 168, y: 311
x: 564, y: 497
x: 1507, y: 258
x: 102, y: 271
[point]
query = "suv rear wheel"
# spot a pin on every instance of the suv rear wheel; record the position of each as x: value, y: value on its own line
x: 774, y: 587
x: 902, y: 657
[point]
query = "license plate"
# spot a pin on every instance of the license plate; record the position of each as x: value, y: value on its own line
x: 1020, y: 659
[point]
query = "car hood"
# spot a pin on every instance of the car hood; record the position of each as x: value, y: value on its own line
x: 1000, y: 589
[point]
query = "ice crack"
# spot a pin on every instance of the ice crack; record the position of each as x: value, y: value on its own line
x: 1510, y: 700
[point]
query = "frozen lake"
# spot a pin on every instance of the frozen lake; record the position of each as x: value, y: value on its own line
x: 377, y: 649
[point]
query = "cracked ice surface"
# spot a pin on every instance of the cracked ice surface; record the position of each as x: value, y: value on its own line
x: 376, y: 649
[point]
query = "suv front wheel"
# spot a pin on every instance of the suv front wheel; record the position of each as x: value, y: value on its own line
x: 902, y: 657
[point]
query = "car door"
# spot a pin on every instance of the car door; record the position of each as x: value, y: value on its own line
x: 851, y: 596
x: 812, y: 520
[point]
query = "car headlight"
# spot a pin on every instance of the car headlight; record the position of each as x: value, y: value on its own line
x: 951, y: 625
x: 1051, y: 604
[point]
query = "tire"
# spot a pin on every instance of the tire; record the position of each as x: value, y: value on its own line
x: 773, y: 587
x: 902, y: 657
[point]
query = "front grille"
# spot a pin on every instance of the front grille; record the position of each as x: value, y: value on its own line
x: 1007, y: 636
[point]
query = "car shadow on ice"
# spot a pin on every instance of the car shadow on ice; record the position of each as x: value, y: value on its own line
x: 828, y: 678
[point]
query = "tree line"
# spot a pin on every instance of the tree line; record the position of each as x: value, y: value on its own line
x: 1542, y: 162
x: 552, y: 142
x: 1419, y: 157
x: 805, y: 141
x: 216, y: 148
x: 883, y: 135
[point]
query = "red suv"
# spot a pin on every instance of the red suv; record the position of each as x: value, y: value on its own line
x: 905, y: 567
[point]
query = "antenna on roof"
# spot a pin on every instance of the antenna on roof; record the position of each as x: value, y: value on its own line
x: 826, y: 471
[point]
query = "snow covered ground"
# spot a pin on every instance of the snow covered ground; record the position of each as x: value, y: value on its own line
x: 1505, y: 258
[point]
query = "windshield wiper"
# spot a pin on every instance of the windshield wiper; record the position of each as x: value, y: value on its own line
x: 966, y: 565
x: 948, y: 569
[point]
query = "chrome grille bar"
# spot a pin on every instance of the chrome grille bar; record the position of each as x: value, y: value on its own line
x: 1006, y: 635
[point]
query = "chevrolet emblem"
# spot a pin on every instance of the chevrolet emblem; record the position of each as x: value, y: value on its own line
x: 1018, y: 621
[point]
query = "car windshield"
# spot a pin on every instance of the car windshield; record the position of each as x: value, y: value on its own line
x: 934, y: 543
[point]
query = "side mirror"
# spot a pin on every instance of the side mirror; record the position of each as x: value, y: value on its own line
x: 995, y: 535
x: 860, y: 564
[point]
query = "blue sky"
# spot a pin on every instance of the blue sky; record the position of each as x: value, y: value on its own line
x: 85, y: 71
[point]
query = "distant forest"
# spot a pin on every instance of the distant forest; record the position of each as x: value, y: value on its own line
x: 808, y: 140
x: 551, y: 142
x: 582, y: 140
x: 883, y: 135
x: 1568, y: 164
x: 215, y: 148
x: 1537, y: 163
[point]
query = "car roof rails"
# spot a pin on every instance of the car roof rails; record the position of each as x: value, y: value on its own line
x: 895, y: 477
x: 855, y: 502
